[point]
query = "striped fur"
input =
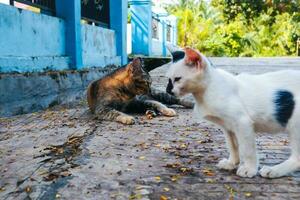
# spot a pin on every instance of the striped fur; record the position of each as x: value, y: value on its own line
x: 128, y: 90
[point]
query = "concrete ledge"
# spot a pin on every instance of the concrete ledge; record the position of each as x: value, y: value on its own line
x: 30, y: 92
x: 19, y: 64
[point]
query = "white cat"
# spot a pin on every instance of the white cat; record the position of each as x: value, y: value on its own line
x: 242, y: 105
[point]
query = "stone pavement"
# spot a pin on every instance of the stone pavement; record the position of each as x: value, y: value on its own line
x: 63, y: 153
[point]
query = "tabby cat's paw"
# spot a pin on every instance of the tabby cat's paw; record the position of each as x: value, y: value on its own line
x: 168, y: 112
x: 128, y: 120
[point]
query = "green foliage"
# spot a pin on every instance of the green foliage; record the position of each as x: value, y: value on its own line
x: 239, y: 28
x: 232, y: 8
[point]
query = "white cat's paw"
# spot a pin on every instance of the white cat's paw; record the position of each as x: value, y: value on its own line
x: 269, y: 172
x: 128, y: 120
x: 246, y: 171
x: 187, y: 104
x: 168, y: 112
x: 226, y: 164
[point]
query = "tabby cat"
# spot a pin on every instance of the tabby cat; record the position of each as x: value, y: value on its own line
x: 128, y: 90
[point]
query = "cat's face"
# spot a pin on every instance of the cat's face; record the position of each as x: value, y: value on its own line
x: 186, y: 72
x: 139, y: 78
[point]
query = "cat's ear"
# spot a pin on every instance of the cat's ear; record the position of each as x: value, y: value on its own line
x: 193, y: 58
x: 177, y: 55
x: 176, y: 52
x: 136, y: 65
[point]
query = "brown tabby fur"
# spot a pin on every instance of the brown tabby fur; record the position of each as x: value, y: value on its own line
x: 127, y: 90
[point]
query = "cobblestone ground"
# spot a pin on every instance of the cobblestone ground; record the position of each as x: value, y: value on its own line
x: 66, y: 154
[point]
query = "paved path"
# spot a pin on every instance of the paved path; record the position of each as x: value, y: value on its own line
x: 66, y: 154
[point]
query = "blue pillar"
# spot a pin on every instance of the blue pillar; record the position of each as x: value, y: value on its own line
x: 118, y: 23
x: 70, y: 11
x: 164, y: 38
x: 141, y: 23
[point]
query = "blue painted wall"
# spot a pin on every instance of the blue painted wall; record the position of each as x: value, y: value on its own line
x: 26, y: 45
x: 23, y: 33
x: 32, y: 42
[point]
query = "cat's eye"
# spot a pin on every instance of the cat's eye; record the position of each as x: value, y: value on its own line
x: 177, y: 79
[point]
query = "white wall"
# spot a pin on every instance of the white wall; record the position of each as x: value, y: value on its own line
x: 156, y: 47
x: 4, y: 1
x: 98, y: 46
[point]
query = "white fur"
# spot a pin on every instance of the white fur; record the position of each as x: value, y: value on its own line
x: 242, y: 105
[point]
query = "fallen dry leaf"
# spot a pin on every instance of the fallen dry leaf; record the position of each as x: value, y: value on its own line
x: 142, y: 157
x: 248, y: 194
x: 208, y: 172
x: 186, y: 169
x: 65, y: 173
x: 28, y: 189
x: 230, y: 189
x: 183, y: 146
x: 57, y: 196
x: 166, y: 189
x: 162, y: 197
x: 285, y: 142
x: 210, y: 181
x: 150, y: 114
x: 173, y: 165
x: 157, y: 145
x: 174, y: 178
x: 142, y: 145
x: 135, y: 196
x: 205, y: 141
x: 213, y: 157
x: 139, y: 187
x: 183, y: 169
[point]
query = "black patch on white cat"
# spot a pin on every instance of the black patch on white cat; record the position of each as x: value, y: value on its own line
x: 284, y: 106
x: 177, y: 55
x: 170, y: 87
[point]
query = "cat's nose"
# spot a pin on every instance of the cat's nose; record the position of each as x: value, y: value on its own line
x: 170, y: 92
x: 170, y: 87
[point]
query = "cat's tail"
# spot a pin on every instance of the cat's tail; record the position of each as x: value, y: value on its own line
x: 169, y: 99
x: 92, y: 95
